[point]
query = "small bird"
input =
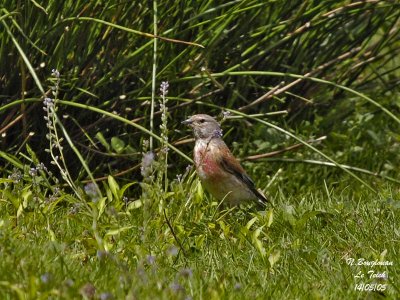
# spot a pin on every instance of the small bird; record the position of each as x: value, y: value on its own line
x: 219, y: 171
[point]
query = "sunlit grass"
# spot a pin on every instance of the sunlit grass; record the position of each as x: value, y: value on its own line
x: 300, y: 249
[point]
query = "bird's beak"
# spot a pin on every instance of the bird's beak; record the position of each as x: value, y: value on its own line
x: 187, y: 122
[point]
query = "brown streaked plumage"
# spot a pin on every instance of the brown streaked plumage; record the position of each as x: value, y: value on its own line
x: 219, y: 171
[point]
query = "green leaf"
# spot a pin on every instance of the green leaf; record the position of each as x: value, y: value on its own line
x: 32, y: 154
x: 251, y: 222
x: 301, y: 223
x: 135, y: 204
x: 11, y: 159
x: 108, y: 193
x: 199, y: 240
x: 288, y: 214
x: 101, y: 205
x: 100, y: 137
x: 26, y: 196
x: 270, y: 217
x: 114, y: 187
x: 117, y: 144
x: 124, y: 187
x: 52, y: 236
x: 117, y: 230
x: 4, y: 180
x: 257, y: 242
x: 274, y: 257
x: 199, y: 195
x: 15, y: 199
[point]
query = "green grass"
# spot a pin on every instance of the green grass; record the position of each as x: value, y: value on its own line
x: 287, y: 71
x: 180, y: 245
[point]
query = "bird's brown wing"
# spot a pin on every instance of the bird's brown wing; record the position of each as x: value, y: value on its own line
x: 231, y: 165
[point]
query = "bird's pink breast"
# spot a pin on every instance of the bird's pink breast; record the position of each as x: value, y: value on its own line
x: 221, y: 183
x: 207, y: 164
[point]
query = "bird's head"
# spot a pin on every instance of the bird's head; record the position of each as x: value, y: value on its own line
x: 204, y: 126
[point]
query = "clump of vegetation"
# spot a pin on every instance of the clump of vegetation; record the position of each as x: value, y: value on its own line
x: 98, y: 196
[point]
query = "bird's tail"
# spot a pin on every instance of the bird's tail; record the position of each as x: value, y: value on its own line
x: 261, y: 198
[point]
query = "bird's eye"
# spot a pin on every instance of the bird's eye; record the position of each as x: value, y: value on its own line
x: 202, y: 120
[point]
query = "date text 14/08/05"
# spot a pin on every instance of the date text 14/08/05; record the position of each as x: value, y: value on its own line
x: 370, y: 287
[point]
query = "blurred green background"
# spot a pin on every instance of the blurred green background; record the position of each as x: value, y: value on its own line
x: 109, y: 66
